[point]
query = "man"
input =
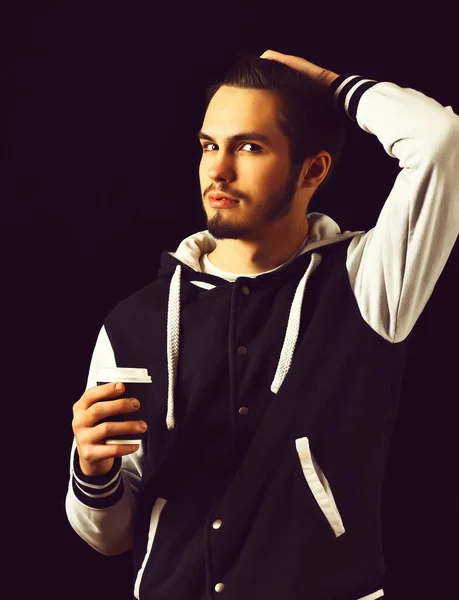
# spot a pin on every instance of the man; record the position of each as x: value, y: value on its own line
x: 276, y: 346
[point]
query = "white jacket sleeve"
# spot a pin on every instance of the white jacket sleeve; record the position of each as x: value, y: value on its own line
x: 100, y: 509
x: 394, y: 267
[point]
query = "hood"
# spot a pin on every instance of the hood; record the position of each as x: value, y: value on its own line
x: 323, y: 230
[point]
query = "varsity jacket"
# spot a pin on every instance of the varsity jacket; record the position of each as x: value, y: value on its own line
x: 274, y: 395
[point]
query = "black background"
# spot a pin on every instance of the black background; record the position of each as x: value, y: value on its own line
x: 99, y: 175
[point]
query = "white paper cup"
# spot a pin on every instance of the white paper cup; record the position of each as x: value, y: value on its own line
x: 135, y: 383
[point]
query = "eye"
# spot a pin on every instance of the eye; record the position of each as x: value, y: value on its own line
x: 256, y: 147
x: 204, y: 146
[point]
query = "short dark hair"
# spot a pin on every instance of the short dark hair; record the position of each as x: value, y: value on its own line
x: 308, y: 117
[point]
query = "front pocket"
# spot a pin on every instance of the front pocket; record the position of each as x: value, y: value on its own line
x: 319, y: 486
x: 154, y: 520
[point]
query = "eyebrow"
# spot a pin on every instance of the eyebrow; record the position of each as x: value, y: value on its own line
x: 247, y: 135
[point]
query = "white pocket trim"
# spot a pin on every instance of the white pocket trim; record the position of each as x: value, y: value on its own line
x: 374, y: 595
x: 154, y: 520
x: 319, y: 486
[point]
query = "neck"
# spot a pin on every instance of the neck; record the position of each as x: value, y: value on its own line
x: 274, y: 247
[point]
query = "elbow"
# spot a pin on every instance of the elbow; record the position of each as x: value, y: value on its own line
x: 103, y: 544
x: 102, y: 537
x: 446, y: 141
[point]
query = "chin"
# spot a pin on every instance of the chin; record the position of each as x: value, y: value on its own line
x: 228, y: 231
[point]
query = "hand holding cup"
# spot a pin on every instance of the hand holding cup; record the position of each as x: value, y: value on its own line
x: 103, y: 427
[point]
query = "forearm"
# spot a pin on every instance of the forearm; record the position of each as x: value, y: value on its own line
x: 101, y: 509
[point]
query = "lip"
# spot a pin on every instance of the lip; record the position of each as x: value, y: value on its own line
x: 220, y: 200
x: 221, y: 196
x: 223, y: 203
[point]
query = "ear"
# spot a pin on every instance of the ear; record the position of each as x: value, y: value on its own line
x: 315, y: 170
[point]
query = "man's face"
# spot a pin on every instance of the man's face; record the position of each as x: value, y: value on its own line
x: 255, y: 172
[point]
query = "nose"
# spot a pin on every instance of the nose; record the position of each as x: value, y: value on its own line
x: 221, y: 169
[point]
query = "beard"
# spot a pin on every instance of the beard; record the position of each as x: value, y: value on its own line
x: 276, y: 206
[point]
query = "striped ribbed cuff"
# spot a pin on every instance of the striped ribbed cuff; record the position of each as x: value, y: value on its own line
x: 100, y: 491
x: 347, y: 89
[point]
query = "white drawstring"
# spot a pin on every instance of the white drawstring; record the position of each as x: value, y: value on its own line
x: 293, y: 326
x: 173, y: 334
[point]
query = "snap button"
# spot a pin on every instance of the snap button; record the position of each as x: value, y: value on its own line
x: 245, y: 290
x: 217, y: 524
x: 242, y: 350
x: 243, y: 411
x: 220, y: 587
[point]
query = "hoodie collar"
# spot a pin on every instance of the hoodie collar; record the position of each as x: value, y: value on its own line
x: 322, y: 230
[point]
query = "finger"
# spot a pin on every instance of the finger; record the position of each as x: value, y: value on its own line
x: 108, y: 408
x: 273, y: 55
x: 97, y: 434
x: 103, y: 409
x: 298, y: 64
x: 98, y: 392
x: 100, y: 452
x: 294, y: 62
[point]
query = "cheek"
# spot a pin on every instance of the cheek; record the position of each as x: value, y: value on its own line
x: 202, y: 173
x: 268, y: 176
